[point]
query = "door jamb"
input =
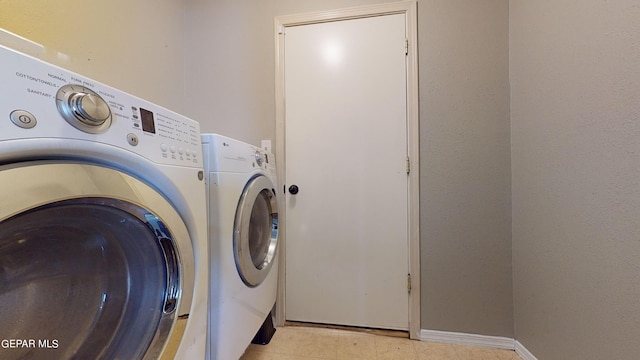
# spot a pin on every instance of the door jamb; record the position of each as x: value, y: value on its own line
x: 409, y: 8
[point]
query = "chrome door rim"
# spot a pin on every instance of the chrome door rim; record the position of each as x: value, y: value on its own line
x: 251, y: 275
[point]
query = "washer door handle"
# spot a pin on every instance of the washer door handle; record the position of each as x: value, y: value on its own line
x: 293, y: 189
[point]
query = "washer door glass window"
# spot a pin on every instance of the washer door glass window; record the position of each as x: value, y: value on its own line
x: 255, y: 236
x: 89, y: 274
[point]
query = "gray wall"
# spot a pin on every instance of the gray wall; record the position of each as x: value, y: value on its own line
x: 465, y: 167
x: 575, y: 110
x: 230, y: 68
x: 464, y: 114
x: 135, y: 46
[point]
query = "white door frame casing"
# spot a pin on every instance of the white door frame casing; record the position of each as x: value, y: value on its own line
x: 409, y: 9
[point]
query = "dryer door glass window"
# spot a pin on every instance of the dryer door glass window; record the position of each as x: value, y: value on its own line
x: 260, y: 229
x: 86, y: 278
x: 255, y: 236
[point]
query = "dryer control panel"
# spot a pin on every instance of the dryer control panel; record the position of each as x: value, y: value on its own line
x: 231, y: 155
x: 41, y: 101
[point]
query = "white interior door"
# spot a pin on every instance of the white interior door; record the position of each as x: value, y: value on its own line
x: 346, y: 150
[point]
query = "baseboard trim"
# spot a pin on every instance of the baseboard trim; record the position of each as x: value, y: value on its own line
x: 496, y: 342
x: 467, y: 339
x: 523, y: 352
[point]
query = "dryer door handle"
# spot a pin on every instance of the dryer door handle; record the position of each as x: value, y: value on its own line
x: 293, y: 189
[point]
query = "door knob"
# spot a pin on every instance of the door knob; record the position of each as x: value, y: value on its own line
x: 293, y: 189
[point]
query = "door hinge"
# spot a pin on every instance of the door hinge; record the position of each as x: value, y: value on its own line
x: 406, y: 46
x: 409, y: 283
x: 408, y: 165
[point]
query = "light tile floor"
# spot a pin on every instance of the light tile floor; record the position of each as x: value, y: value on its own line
x: 310, y: 343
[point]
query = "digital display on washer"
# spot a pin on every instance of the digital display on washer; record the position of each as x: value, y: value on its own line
x: 148, y: 124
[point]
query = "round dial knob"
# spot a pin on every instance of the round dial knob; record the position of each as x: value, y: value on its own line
x: 258, y: 157
x: 83, y: 108
x: 91, y: 108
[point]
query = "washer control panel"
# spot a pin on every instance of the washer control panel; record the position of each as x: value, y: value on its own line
x: 39, y: 100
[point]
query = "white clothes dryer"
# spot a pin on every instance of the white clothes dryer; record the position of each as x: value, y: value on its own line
x: 243, y: 243
x: 103, y: 244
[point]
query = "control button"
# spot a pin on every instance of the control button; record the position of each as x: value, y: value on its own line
x: 172, y: 149
x: 132, y: 139
x: 180, y: 151
x: 163, y: 147
x: 23, y: 119
x: 187, y: 152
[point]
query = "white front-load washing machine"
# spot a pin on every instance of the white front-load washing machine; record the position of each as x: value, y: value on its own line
x: 243, y: 243
x: 103, y: 238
